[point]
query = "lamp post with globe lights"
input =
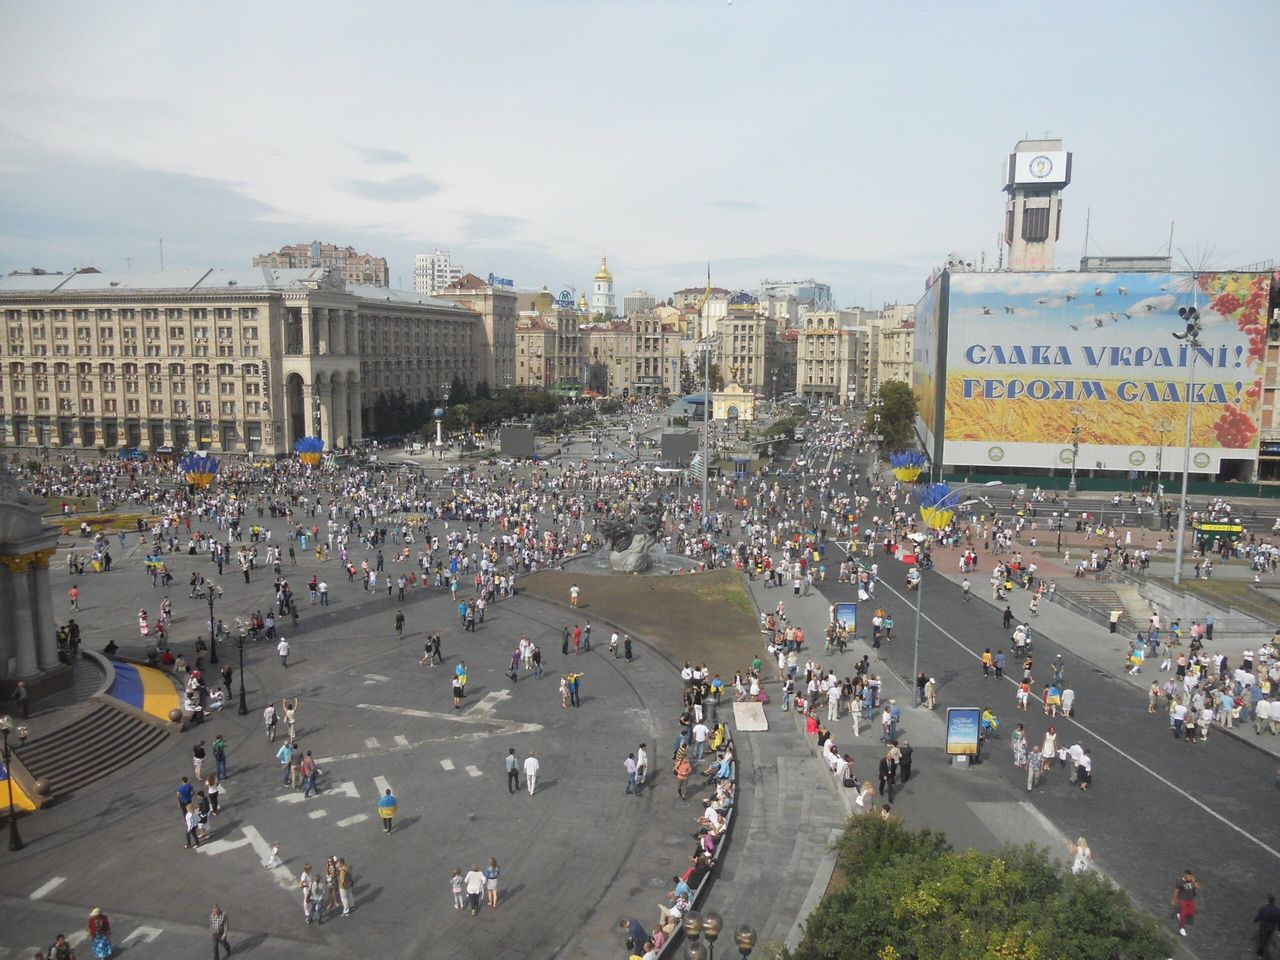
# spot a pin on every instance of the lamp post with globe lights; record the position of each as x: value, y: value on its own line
x: 6, y: 724
x: 244, y: 709
x: 710, y: 926
x: 1190, y: 316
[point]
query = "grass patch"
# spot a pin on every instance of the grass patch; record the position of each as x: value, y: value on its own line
x: 107, y: 523
x: 734, y: 594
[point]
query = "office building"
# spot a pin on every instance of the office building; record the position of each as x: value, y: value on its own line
x: 235, y: 362
x: 496, y: 333
x: 637, y: 301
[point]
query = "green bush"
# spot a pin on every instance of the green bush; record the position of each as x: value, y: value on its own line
x: 909, y: 896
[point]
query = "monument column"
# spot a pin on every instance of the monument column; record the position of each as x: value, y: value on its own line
x: 24, y: 643
x: 46, y: 628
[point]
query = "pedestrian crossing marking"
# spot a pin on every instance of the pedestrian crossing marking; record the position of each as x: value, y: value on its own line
x: 143, y: 934
x: 252, y: 838
x: 317, y: 814
x: 401, y: 740
x: 473, y: 771
x: 352, y: 821
x: 370, y: 678
x: 382, y: 785
x: 371, y: 743
x: 48, y: 888
x: 447, y: 764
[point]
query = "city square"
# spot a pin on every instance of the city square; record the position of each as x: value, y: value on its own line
x: 426, y: 534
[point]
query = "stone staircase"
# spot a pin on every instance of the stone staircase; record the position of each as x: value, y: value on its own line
x: 96, y: 744
x: 1094, y: 601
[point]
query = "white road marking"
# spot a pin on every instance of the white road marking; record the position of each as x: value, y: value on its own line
x: 346, y: 788
x: 317, y: 814
x: 351, y: 821
x: 142, y: 935
x: 372, y: 743
x: 478, y: 716
x: 75, y: 939
x: 447, y: 764
x: 48, y: 888
x: 381, y: 784
x: 252, y: 838
x: 375, y: 678
x: 474, y: 771
x: 487, y: 703
x: 401, y: 740
x: 1107, y: 743
x: 292, y: 797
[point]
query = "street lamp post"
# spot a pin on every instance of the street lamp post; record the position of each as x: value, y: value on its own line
x: 706, y: 423
x: 6, y: 724
x: 1076, y: 411
x: 915, y: 655
x: 213, y: 636
x: 244, y: 709
x: 1162, y: 427
x: 1191, y: 316
x: 710, y: 926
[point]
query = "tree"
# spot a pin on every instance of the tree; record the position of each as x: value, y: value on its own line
x: 914, y: 898
x: 896, y: 407
x: 459, y: 392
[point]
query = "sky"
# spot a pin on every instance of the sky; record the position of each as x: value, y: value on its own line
x: 859, y: 143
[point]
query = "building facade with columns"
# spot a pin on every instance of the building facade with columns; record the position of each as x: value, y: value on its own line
x: 28, y: 631
x: 240, y: 362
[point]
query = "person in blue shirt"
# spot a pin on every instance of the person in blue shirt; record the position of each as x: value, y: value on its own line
x: 184, y: 792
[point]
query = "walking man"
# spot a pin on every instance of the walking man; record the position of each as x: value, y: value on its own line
x: 531, y: 771
x: 282, y: 648
x: 513, y: 771
x: 399, y: 625
x: 270, y: 719
x: 387, y: 810
x: 219, y: 928
x: 1184, y: 899
x: 573, y: 595
x: 642, y: 767
x: 630, y: 766
x: 344, y: 886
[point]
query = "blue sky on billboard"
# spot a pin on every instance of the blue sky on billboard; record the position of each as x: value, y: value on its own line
x: 122, y: 131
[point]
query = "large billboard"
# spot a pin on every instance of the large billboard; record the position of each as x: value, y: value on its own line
x: 928, y: 346
x: 1030, y: 356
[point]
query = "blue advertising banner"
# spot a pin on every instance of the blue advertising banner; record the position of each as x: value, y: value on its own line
x: 963, y: 724
x: 845, y: 616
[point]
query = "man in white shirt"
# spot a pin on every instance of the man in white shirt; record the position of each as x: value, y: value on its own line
x: 833, y: 702
x: 282, y: 648
x: 531, y: 771
x: 642, y: 767
x: 700, y: 732
x: 1262, y: 716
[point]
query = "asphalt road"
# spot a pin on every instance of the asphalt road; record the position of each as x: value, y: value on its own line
x: 1156, y: 806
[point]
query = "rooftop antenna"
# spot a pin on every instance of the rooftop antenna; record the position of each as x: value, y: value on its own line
x: 1170, y: 248
x: 162, y: 254
x: 1088, y: 218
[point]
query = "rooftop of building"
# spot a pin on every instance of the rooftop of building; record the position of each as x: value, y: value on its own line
x: 248, y: 280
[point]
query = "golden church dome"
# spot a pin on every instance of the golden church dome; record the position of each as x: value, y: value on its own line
x: 604, y: 273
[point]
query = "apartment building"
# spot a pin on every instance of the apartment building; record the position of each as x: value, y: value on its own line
x: 639, y: 356
x: 353, y: 267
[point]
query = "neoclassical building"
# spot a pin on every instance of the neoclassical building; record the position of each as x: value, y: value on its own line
x: 242, y: 361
